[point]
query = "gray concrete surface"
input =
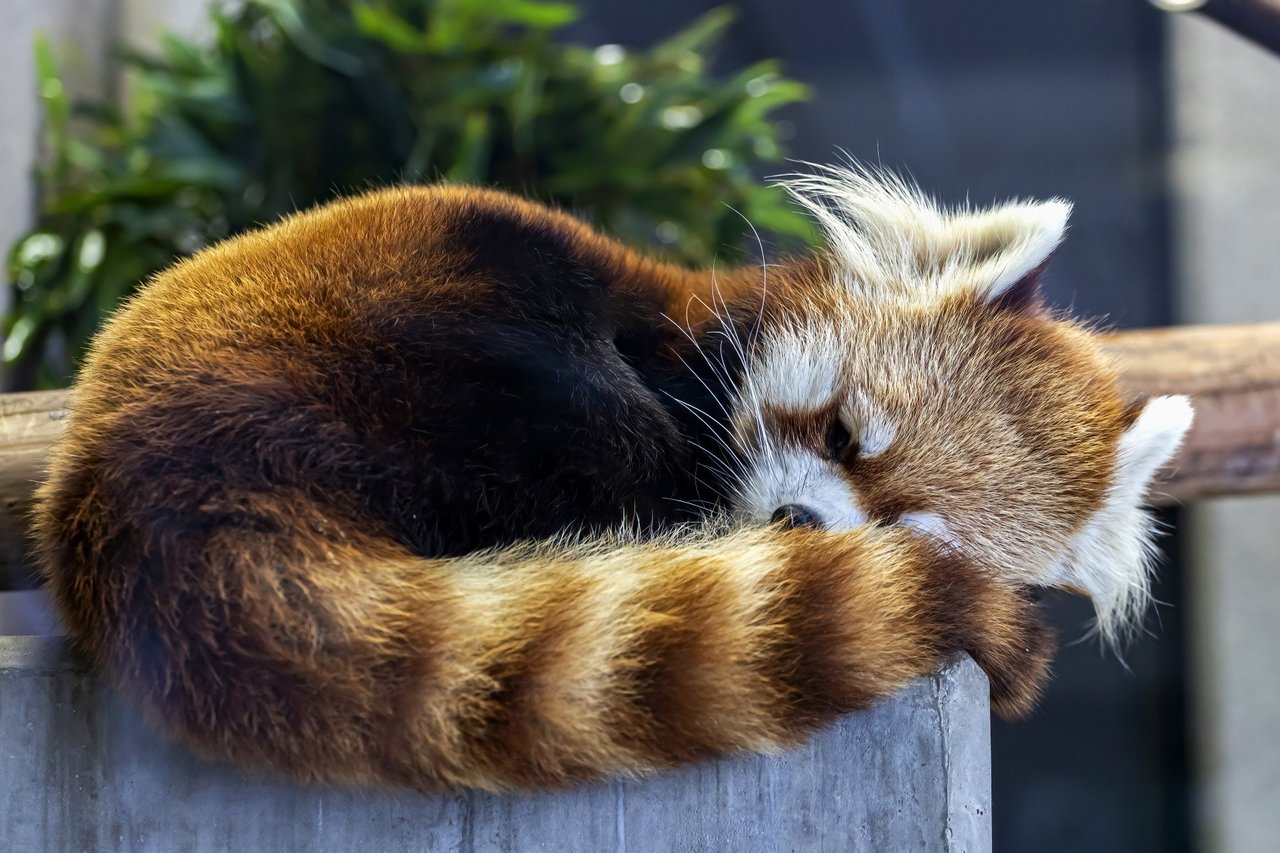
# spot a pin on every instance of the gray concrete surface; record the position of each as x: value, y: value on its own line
x: 27, y: 613
x: 82, y: 772
x: 1226, y: 111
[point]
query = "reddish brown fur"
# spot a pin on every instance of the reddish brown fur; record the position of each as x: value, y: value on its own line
x: 1008, y: 421
x: 261, y: 614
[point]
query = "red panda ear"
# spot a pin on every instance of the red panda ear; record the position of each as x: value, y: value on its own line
x: 1031, y: 235
x: 1024, y: 296
x: 1108, y: 558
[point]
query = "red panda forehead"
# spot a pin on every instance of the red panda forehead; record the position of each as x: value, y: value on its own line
x: 826, y: 342
x: 900, y: 363
x: 808, y: 374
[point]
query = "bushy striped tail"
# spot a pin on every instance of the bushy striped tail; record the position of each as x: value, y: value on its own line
x: 352, y: 660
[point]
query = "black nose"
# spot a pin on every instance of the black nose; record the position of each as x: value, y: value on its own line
x: 795, y: 515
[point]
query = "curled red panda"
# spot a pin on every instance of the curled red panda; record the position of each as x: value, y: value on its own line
x: 341, y: 497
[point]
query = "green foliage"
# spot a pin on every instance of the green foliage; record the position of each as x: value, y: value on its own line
x: 294, y: 101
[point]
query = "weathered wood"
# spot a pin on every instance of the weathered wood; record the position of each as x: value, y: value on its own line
x: 1233, y: 375
x: 82, y: 772
x: 29, y: 423
x: 1232, y: 372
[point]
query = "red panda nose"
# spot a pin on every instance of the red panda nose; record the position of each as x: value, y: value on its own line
x: 795, y: 515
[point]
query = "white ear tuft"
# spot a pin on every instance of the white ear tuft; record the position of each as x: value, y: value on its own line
x: 1111, y: 557
x: 1034, y: 231
x: 1151, y: 441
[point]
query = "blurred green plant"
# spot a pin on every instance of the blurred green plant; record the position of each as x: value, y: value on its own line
x: 294, y: 101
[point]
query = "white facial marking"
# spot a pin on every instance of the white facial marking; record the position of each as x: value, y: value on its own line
x: 876, y: 436
x: 930, y: 524
x: 798, y: 369
x: 796, y: 476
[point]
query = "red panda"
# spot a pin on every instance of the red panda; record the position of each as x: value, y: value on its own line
x: 437, y: 487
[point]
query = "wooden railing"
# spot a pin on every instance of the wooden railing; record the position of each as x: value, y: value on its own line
x: 29, y: 424
x: 1232, y: 372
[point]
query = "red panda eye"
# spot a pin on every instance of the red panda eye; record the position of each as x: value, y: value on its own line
x: 838, y: 440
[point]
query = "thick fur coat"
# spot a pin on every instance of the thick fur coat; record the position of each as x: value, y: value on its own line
x: 437, y: 487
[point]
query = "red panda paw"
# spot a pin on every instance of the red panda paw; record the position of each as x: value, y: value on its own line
x: 999, y: 624
x: 1015, y: 648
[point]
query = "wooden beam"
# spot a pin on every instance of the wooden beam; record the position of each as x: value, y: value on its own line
x: 29, y: 423
x: 1233, y: 376
x: 1232, y: 373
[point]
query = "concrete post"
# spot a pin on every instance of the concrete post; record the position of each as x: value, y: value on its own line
x: 82, y: 772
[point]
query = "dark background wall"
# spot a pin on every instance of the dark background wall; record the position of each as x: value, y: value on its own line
x: 989, y: 99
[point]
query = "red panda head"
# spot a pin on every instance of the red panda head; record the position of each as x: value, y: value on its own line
x: 913, y: 377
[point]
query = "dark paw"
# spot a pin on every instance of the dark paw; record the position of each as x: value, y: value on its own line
x: 1015, y: 649
x: 1000, y: 625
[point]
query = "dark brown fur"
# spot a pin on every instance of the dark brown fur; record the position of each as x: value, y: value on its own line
x: 280, y: 448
